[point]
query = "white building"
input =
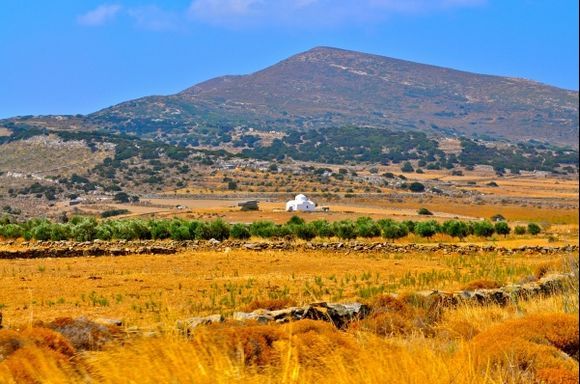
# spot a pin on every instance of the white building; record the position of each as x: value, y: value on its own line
x: 300, y: 203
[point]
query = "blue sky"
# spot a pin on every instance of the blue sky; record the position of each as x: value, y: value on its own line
x: 70, y: 56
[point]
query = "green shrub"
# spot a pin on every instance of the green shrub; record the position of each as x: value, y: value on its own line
x: 416, y: 187
x: 104, y: 231
x: 11, y: 231
x: 407, y: 167
x: 366, y: 227
x: 426, y: 228
x: 410, y: 224
x: 502, y: 228
x: 160, y: 229
x: 240, y: 231
x: 520, y: 230
x: 60, y: 232
x: 217, y: 229
x: 455, y: 228
x: 42, y: 231
x: 179, y: 230
x: 483, y: 228
x: 295, y: 220
x: 304, y: 231
x: 534, y: 229
x: 114, y: 212
x: 393, y: 230
x: 345, y: 229
x: 264, y: 229
x: 323, y: 228
x: 424, y: 212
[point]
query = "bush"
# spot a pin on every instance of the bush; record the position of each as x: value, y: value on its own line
x: 263, y: 229
x: 240, y: 231
x: 323, y: 228
x: 407, y: 167
x: 393, y: 230
x: 60, y: 232
x: 416, y: 187
x: 295, y: 220
x: 502, y: 228
x: 113, y: 212
x: 217, y: 229
x: 86, y: 230
x: 424, y: 212
x: 345, y: 229
x: 159, y: 229
x: 483, y: 228
x: 179, y: 230
x: 304, y: 231
x: 426, y: 228
x: 455, y: 228
x: 520, y: 230
x: 366, y: 227
x: 11, y: 231
x: 410, y: 224
x: 534, y: 229
x: 42, y: 231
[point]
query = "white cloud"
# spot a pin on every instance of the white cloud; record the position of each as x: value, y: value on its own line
x: 100, y: 15
x: 154, y: 18
x: 313, y: 12
x: 270, y: 13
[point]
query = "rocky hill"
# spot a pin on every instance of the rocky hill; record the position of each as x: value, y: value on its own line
x: 329, y: 87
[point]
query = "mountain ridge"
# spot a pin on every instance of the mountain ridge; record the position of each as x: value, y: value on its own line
x: 334, y: 87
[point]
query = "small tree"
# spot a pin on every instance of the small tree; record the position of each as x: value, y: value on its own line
x: 456, y: 228
x: 366, y: 227
x: 483, y: 228
x: 520, y: 230
x: 121, y: 197
x: 407, y: 167
x: 502, y: 228
x: 393, y: 230
x: 232, y: 185
x: 426, y: 228
x: 534, y: 229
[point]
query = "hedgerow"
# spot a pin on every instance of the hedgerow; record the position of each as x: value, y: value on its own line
x: 89, y: 228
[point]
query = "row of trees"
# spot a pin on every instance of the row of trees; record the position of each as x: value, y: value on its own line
x: 88, y: 229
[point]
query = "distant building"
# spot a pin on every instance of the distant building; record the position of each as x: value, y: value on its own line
x: 75, y: 201
x: 251, y: 205
x: 300, y: 203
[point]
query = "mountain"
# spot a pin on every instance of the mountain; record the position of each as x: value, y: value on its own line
x: 328, y: 87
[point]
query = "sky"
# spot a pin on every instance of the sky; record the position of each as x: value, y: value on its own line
x: 71, y: 56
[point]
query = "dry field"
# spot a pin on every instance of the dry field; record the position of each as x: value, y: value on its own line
x: 409, y: 345
x: 157, y: 290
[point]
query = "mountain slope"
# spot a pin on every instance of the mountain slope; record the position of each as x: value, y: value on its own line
x: 328, y: 87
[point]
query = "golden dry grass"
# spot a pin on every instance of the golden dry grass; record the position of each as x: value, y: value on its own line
x: 399, y: 342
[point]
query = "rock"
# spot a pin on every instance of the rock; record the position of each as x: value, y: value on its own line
x: 213, y: 241
x: 337, y: 314
x: 107, y: 321
x: 190, y: 324
x: 261, y: 316
x: 253, y: 246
